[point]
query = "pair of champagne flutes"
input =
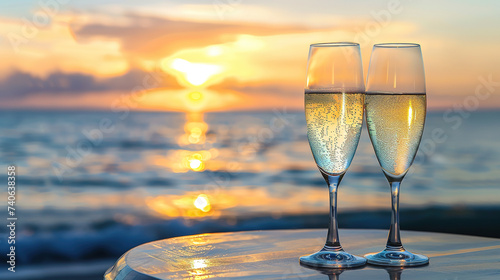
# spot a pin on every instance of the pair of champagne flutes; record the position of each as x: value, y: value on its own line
x: 395, y: 105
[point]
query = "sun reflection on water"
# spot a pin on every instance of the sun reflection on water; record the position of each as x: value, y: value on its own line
x: 202, y: 203
x: 194, y: 157
x: 196, y: 163
x: 195, y: 130
x: 189, y: 205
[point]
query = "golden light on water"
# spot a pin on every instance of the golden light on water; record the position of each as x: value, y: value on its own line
x: 215, y: 204
x: 195, y: 130
x: 172, y: 206
x: 197, y: 154
x: 195, y: 134
x: 181, y: 161
x: 189, y: 205
x: 202, y: 203
x: 196, y: 162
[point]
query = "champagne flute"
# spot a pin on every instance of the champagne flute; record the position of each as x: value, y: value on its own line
x: 395, y: 105
x: 334, y: 103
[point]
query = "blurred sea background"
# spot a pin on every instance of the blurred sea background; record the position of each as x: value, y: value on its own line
x: 88, y: 193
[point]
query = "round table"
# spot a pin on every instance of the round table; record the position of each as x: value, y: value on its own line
x: 274, y: 255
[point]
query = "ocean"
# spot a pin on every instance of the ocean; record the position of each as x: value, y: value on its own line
x: 92, y: 184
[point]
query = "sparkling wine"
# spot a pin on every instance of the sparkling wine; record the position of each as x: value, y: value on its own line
x: 395, y: 124
x: 334, y: 122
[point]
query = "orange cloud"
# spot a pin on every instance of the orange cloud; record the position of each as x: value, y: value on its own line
x: 236, y: 65
x: 153, y: 37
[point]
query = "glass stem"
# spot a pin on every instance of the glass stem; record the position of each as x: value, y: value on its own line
x: 394, y: 240
x: 332, y: 239
x: 395, y: 275
x: 333, y: 277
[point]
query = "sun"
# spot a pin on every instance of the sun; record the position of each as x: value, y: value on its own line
x: 195, y: 73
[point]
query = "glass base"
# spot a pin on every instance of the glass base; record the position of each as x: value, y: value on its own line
x: 332, y: 259
x: 399, y: 258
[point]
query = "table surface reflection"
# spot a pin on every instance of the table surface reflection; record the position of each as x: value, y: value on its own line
x: 274, y: 255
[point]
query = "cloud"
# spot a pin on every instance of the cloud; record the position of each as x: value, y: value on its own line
x: 21, y: 84
x: 259, y: 88
x: 153, y: 37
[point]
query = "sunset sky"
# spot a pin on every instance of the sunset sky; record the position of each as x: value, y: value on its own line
x: 228, y: 54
